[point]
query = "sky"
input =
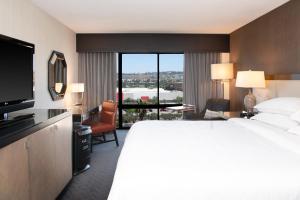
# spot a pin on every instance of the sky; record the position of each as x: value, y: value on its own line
x: 140, y: 63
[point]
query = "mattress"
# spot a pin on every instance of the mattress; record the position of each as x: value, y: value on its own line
x: 237, y: 159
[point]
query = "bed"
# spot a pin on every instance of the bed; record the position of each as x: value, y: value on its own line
x: 238, y: 159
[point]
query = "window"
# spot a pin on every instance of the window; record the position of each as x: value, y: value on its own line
x: 139, y: 78
x: 170, y: 78
x: 149, y: 83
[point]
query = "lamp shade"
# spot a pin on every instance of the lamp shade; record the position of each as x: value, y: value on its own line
x: 77, y: 87
x: 223, y: 71
x: 250, y: 79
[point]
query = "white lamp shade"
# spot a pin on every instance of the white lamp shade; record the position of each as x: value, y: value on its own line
x: 58, y: 87
x: 77, y: 87
x: 223, y: 71
x: 250, y: 79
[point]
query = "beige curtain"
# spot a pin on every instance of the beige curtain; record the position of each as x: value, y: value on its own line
x: 197, y: 84
x: 98, y: 72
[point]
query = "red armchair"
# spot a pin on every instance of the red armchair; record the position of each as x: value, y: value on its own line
x: 103, y: 123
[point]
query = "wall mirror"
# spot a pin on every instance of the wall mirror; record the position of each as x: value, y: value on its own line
x: 57, y: 75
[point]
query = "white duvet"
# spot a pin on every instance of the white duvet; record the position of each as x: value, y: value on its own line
x: 208, y: 160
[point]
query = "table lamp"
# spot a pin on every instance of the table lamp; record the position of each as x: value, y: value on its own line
x: 78, y: 88
x: 223, y: 72
x: 250, y: 79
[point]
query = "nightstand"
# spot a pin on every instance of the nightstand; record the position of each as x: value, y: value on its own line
x: 235, y: 114
x: 227, y: 115
x: 232, y: 114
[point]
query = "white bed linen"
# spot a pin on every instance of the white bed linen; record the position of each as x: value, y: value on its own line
x: 208, y: 160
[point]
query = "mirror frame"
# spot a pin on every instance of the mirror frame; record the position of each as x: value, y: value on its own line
x: 55, y: 95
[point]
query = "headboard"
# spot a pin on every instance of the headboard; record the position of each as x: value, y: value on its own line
x: 279, y: 86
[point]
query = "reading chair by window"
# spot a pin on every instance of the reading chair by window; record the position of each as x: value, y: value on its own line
x: 211, y: 104
x: 103, y: 122
x: 216, y: 105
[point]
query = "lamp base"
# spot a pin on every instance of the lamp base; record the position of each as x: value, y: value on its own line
x: 249, y: 102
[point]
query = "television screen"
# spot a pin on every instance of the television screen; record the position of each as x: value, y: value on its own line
x: 16, y: 70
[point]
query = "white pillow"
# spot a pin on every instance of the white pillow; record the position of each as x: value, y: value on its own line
x: 209, y: 114
x: 277, y: 120
x: 280, y: 105
x: 296, y: 116
x: 295, y: 130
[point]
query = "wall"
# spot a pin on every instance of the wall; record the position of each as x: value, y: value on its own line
x: 22, y: 20
x: 270, y: 43
x: 153, y: 42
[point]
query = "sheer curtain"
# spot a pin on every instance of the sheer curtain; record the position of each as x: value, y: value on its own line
x: 98, y: 72
x: 197, y: 84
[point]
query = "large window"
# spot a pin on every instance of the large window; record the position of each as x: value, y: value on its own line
x: 139, y: 78
x: 170, y: 78
x: 149, y: 83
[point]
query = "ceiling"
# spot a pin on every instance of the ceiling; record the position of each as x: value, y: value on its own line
x: 156, y: 16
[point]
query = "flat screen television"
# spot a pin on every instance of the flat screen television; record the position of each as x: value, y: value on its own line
x: 16, y: 74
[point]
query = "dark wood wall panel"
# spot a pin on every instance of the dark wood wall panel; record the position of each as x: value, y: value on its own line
x: 270, y: 43
x: 152, y: 42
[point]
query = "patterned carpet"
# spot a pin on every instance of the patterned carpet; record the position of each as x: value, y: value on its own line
x: 95, y: 183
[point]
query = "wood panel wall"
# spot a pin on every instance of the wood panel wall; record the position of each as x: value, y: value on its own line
x: 270, y: 43
x: 152, y: 43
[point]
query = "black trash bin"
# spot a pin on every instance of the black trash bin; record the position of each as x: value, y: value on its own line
x: 81, y: 147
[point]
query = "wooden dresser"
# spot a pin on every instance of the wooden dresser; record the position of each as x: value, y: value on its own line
x: 36, y: 159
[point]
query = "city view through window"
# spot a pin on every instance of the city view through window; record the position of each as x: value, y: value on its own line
x: 150, y: 83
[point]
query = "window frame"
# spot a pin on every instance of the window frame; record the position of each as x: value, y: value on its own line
x: 122, y: 106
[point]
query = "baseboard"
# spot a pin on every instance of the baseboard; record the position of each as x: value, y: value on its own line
x: 63, y: 192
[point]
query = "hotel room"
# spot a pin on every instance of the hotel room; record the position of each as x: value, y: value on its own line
x: 150, y: 100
